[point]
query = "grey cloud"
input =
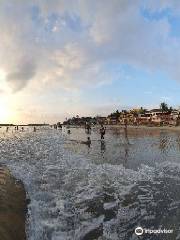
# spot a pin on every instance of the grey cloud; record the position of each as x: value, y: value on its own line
x: 113, y: 31
x: 19, y: 78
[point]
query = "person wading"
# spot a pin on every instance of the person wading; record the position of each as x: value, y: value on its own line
x: 102, y: 131
x: 88, y: 128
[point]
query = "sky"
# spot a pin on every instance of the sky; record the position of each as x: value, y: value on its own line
x: 62, y: 58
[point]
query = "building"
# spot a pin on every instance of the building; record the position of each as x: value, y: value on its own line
x: 159, y: 117
x: 129, y: 117
x: 144, y: 118
x: 112, y: 120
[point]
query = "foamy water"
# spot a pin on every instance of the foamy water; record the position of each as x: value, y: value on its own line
x: 102, y: 192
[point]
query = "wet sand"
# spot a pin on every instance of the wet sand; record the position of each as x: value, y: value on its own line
x: 12, y: 207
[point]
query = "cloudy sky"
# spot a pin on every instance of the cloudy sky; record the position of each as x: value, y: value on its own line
x: 61, y: 58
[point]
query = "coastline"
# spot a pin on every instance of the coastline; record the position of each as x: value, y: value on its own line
x: 13, y: 207
x: 138, y: 127
x: 144, y: 127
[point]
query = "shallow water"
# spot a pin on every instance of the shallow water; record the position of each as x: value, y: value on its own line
x: 99, y: 192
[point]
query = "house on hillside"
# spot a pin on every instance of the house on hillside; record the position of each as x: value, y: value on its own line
x: 144, y: 118
x: 159, y: 117
x: 175, y: 118
x: 175, y: 114
x: 127, y: 117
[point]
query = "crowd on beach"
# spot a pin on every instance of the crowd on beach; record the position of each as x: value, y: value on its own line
x: 87, y: 127
x: 102, y: 133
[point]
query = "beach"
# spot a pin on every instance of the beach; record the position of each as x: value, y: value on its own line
x: 12, y: 207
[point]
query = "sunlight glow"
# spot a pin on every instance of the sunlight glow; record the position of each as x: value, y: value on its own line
x: 4, y: 112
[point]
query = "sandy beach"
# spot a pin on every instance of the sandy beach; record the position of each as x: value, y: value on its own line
x: 12, y: 207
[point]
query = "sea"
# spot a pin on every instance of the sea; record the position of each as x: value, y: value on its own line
x: 103, y: 190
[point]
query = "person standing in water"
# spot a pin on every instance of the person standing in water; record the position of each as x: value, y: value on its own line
x: 102, y: 131
x: 88, y: 142
x: 125, y: 131
x: 34, y: 129
x: 88, y: 128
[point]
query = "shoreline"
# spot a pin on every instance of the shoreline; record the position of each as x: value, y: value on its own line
x: 174, y: 128
x: 144, y: 127
x: 13, y: 207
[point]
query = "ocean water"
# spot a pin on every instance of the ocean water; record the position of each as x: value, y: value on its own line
x: 102, y: 191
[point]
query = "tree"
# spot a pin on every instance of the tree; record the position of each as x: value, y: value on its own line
x: 164, y: 107
x: 142, y: 110
x: 170, y: 109
x: 115, y: 114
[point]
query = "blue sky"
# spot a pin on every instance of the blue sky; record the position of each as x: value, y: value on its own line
x: 62, y: 58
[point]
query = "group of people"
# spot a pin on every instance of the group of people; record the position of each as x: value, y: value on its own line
x: 17, y: 128
x: 102, y: 130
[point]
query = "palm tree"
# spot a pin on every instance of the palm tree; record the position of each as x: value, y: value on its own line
x: 164, y: 107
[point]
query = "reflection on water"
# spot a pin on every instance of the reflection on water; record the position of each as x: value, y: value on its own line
x: 102, y: 191
x: 103, y: 147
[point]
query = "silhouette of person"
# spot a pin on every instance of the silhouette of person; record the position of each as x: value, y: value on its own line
x: 88, y: 142
x: 102, y: 131
x: 88, y: 128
